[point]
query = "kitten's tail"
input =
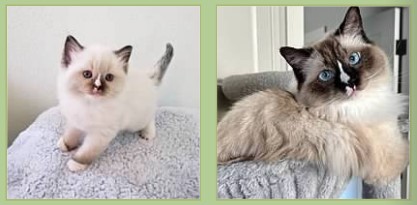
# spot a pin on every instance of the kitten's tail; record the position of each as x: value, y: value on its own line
x: 162, y: 65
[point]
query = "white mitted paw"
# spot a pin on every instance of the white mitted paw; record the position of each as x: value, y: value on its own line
x: 75, y: 166
x: 149, y: 132
x: 146, y: 138
x: 146, y: 135
x: 61, y: 145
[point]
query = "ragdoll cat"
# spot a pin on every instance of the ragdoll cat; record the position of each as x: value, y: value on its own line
x: 343, y: 114
x: 99, y: 97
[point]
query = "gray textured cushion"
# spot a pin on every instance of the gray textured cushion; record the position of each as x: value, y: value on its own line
x: 129, y: 168
x: 237, y: 86
x: 285, y: 179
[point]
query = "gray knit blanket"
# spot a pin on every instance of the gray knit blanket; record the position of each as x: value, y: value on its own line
x: 283, y: 179
x: 129, y: 168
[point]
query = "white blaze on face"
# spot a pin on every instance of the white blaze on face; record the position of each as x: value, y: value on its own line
x: 344, y: 77
x: 97, y: 83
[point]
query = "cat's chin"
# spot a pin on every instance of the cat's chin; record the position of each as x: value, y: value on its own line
x: 95, y: 96
x: 352, y: 94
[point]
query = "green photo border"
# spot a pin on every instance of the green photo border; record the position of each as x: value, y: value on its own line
x: 208, y: 182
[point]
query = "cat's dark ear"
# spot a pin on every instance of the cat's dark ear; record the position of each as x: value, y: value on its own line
x: 70, y: 48
x: 352, y: 24
x: 296, y: 58
x: 124, y: 55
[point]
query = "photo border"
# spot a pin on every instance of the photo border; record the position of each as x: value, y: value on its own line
x: 208, y: 80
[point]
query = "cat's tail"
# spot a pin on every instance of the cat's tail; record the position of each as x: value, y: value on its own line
x: 162, y: 65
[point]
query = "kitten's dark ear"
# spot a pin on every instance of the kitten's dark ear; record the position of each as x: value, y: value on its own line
x: 71, y: 47
x: 352, y: 24
x: 296, y: 58
x: 124, y: 55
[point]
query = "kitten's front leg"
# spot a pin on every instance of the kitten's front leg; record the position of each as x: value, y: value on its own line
x: 149, y: 132
x: 70, y: 139
x: 92, y: 147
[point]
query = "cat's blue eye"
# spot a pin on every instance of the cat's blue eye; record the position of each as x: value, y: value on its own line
x: 354, y: 58
x: 326, y: 75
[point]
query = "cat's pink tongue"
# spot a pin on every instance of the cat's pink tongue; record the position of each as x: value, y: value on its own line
x: 350, y: 91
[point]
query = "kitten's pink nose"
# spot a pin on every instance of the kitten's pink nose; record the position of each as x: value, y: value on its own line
x: 97, y: 90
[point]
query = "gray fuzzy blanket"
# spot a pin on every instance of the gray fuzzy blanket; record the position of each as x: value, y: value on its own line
x: 129, y: 168
x: 283, y: 179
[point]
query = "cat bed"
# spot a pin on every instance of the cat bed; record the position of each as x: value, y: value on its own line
x: 129, y: 168
x: 287, y: 178
x: 237, y: 86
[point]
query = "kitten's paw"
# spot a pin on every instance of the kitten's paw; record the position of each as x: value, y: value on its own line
x: 143, y: 137
x: 146, y: 139
x: 75, y: 166
x: 146, y: 135
x: 149, y: 132
x: 61, y: 145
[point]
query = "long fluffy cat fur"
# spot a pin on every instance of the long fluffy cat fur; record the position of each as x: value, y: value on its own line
x: 349, y: 136
x: 97, y: 108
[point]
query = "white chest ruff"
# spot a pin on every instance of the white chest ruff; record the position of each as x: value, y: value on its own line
x: 131, y: 110
x: 116, y: 116
x: 368, y: 107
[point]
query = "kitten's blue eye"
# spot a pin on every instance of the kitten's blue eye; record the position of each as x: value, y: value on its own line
x: 326, y: 75
x: 87, y: 74
x: 354, y: 58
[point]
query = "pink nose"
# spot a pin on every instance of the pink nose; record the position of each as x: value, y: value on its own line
x: 97, y: 89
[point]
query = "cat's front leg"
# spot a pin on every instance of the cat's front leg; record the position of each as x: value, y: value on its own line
x: 94, y: 144
x: 70, y: 139
x: 149, y: 132
x: 390, y: 155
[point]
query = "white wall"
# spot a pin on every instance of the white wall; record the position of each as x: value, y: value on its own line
x: 35, y: 38
x: 316, y: 17
x: 249, y: 37
x: 235, y: 40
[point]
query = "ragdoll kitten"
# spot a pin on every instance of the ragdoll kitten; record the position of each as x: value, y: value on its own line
x: 99, y: 97
x: 343, y: 115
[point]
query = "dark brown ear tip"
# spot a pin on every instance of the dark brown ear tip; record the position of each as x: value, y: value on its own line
x: 124, y: 51
x: 128, y: 47
x: 285, y: 50
x: 70, y: 38
x: 353, y: 10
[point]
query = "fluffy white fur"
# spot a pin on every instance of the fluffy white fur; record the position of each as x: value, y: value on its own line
x: 129, y: 104
x: 132, y: 109
x: 365, y: 107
